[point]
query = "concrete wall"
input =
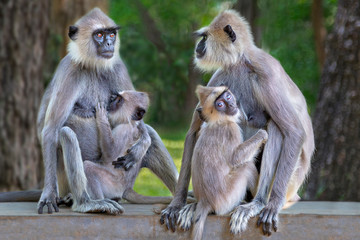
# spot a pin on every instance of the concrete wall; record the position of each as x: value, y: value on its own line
x: 304, y: 220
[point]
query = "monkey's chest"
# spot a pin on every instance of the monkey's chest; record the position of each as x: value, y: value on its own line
x: 92, y: 94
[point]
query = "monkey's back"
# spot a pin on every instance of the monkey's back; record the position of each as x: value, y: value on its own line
x: 211, y: 161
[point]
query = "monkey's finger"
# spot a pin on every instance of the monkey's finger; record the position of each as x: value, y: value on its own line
x: 49, y: 206
x: 40, y: 207
x: 56, y: 208
x: 259, y: 219
x: 275, y: 223
x: 172, y: 222
x: 129, y: 165
x: 162, y: 218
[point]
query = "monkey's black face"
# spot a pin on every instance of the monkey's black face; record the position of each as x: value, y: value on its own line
x: 138, y: 114
x: 226, y: 103
x: 105, y: 41
x: 200, y: 48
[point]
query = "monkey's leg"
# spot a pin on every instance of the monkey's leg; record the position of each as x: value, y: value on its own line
x: 138, y: 150
x: 186, y: 216
x: 241, y: 214
x: 77, y: 179
x: 159, y: 161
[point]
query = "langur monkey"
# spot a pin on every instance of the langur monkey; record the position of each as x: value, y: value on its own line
x: 118, y: 131
x: 270, y: 100
x: 222, y: 166
x: 90, y: 73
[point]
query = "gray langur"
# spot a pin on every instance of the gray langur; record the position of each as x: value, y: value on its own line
x: 118, y: 131
x: 222, y: 166
x: 270, y: 100
x: 90, y: 73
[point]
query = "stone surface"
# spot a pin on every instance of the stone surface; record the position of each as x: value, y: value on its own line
x: 303, y: 220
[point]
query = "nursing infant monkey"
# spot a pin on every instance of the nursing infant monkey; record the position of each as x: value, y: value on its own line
x: 223, y: 165
x: 118, y: 131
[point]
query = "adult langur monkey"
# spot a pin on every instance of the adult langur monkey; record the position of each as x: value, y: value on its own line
x: 272, y: 101
x: 91, y: 72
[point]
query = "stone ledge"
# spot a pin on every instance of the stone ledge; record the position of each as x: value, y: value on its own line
x: 303, y: 220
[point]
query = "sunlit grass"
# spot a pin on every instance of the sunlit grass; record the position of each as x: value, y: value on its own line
x: 148, y: 183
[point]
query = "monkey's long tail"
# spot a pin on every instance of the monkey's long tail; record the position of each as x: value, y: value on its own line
x: 201, y: 213
x: 133, y: 197
x: 21, y: 196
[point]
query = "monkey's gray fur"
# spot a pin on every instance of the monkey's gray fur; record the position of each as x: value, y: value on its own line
x: 223, y: 165
x: 90, y: 73
x: 271, y: 101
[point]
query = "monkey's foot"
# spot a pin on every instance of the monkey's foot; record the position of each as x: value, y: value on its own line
x: 50, y: 199
x: 269, y: 218
x: 67, y: 200
x: 186, y: 216
x: 169, y: 216
x: 241, y: 215
x: 126, y: 162
x: 99, y: 206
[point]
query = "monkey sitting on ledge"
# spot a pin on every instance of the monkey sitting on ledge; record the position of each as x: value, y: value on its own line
x: 118, y: 131
x: 223, y: 165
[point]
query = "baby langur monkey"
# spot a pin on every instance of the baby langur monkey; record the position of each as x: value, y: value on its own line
x: 223, y: 165
x: 118, y: 131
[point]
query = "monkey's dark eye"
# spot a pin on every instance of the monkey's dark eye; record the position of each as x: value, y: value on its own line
x: 228, y: 97
x: 99, y: 35
x: 112, y: 35
x: 220, y: 104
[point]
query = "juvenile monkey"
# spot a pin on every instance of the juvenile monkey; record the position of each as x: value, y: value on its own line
x: 117, y: 132
x: 270, y: 100
x: 90, y: 73
x: 222, y: 165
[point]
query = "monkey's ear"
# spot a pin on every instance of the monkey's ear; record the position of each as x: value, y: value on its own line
x: 72, y: 32
x: 230, y: 32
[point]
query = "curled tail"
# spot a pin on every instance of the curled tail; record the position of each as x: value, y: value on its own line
x: 201, y: 213
x: 133, y: 197
x: 21, y: 196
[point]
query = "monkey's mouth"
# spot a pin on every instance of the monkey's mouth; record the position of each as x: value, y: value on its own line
x: 107, y: 54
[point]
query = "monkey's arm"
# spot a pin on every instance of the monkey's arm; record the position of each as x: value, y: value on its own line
x: 170, y: 214
x: 137, y: 151
x: 285, y: 127
x: 60, y: 105
x: 106, y: 140
x: 247, y: 150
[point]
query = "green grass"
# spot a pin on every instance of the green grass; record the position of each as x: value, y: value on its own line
x: 148, y: 183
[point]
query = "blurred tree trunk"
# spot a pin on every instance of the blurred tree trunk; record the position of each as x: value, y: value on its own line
x: 317, y: 18
x: 23, y: 34
x: 335, y: 174
x: 250, y: 11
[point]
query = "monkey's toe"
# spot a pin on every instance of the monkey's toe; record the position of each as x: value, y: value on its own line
x: 269, y: 220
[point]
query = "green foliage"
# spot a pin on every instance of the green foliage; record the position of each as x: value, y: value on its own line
x: 288, y: 36
x: 147, y: 183
x: 161, y: 70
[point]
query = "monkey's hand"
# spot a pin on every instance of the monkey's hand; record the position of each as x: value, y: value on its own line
x: 101, y: 112
x: 126, y: 162
x: 186, y: 216
x: 241, y: 215
x: 170, y: 215
x: 49, y: 197
x: 67, y: 200
x: 269, y: 218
